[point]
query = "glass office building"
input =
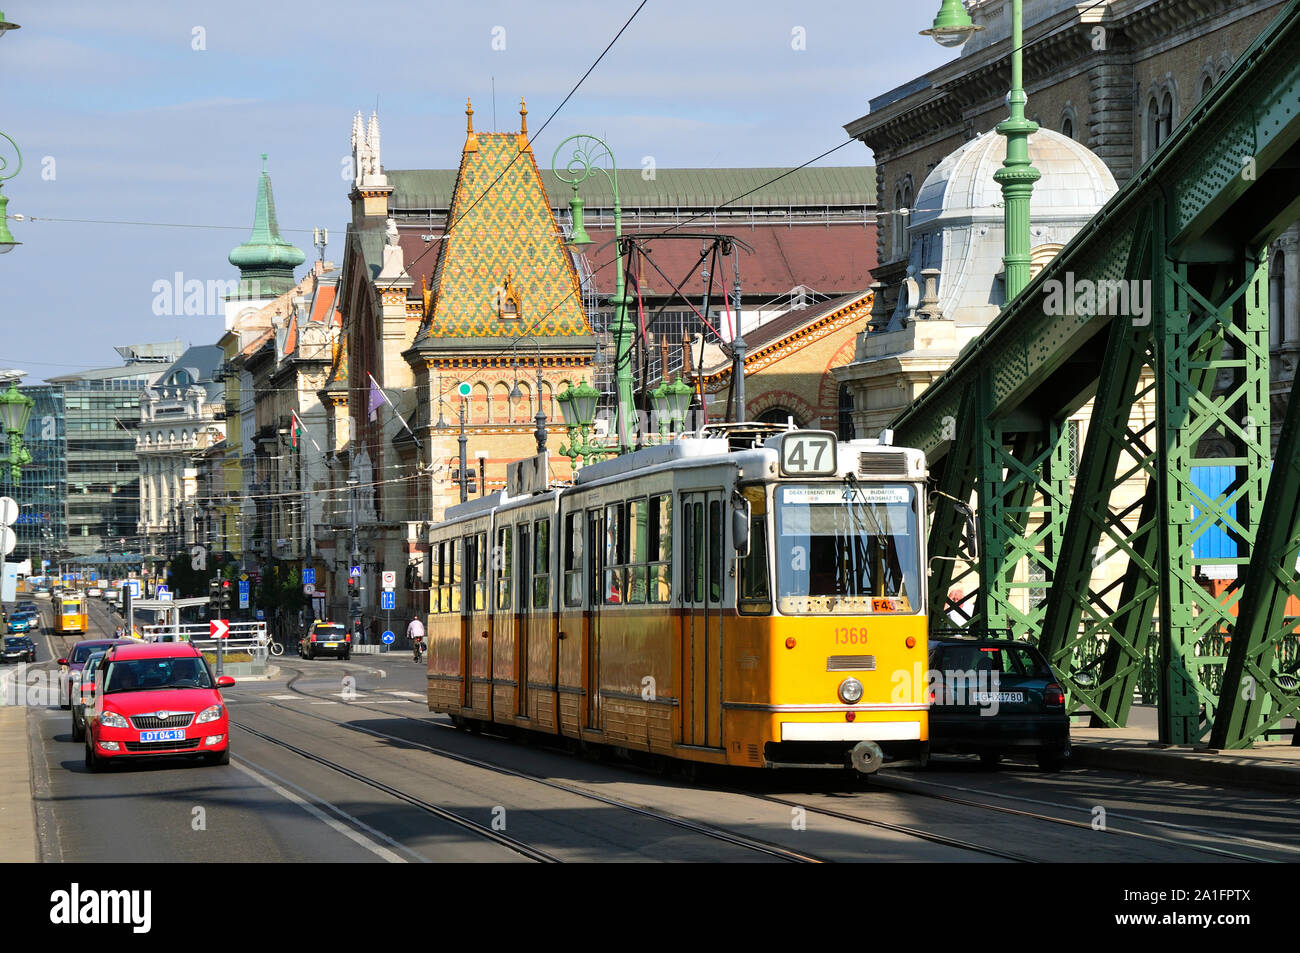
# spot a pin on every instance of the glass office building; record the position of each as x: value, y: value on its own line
x: 42, y: 526
x: 101, y: 416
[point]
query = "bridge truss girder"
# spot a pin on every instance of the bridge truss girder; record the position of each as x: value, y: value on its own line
x: 1194, y: 225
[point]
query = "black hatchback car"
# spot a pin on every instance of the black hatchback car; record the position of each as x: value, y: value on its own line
x: 326, y: 638
x: 19, y: 648
x: 994, y: 697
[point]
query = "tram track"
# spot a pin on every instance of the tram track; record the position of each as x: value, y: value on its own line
x: 704, y: 830
x: 479, y: 830
x: 918, y: 789
x: 675, y: 820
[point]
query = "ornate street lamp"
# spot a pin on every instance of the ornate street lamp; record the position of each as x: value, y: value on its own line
x: 952, y: 27
x: 670, y: 402
x: 15, y: 409
x: 578, y: 405
x: 7, y: 242
x: 588, y: 153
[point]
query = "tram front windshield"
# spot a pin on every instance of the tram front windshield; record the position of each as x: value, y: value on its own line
x: 847, y: 548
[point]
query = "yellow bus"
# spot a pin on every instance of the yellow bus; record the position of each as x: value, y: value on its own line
x: 70, y: 616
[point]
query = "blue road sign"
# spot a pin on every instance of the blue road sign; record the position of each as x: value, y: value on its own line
x: 387, y: 600
x: 161, y: 591
x: 134, y: 586
x: 388, y: 638
x: 261, y: 613
x: 243, y: 593
x: 355, y: 571
x: 309, y: 575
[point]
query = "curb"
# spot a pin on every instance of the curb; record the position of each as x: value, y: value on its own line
x: 17, y: 820
x: 1183, y: 764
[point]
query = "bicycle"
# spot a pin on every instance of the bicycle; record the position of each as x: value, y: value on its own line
x: 274, y: 647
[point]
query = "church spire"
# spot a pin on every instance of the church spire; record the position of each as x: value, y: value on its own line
x: 266, y: 261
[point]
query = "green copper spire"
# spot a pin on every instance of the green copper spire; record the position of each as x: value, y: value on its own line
x: 266, y: 261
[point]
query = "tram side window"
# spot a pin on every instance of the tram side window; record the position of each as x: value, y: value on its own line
x: 595, y: 548
x: 457, y: 556
x: 542, y: 564
x: 476, y: 569
x: 693, y: 568
x: 503, y: 561
x: 638, y: 533
x: 660, y: 549
x: 573, y: 559
x: 615, y: 554
x: 441, y: 574
x: 754, y: 594
x: 715, y: 551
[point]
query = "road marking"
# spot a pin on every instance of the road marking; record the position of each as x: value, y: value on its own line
x: 389, y: 701
x: 286, y: 698
x: 348, y: 697
x: 326, y: 703
x: 282, y: 789
x: 408, y: 694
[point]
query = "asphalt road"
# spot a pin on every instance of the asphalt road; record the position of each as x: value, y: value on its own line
x: 341, y: 761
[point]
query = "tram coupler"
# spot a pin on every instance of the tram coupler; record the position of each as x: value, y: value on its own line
x: 867, y: 757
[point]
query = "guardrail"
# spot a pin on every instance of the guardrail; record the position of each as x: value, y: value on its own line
x: 242, y: 635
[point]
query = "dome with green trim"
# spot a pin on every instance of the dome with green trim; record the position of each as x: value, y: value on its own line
x: 266, y: 261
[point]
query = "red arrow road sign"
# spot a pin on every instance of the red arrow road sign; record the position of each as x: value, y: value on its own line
x: 220, y: 628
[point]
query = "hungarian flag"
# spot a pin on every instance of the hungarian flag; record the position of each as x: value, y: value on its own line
x: 296, y: 430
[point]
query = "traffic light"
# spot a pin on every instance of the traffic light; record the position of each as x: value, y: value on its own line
x: 226, y: 594
x: 410, y: 576
x: 354, y: 587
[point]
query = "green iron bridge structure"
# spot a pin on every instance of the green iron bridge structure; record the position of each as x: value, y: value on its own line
x: 1192, y: 228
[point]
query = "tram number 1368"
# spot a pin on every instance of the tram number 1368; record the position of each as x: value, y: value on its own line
x: 850, y: 635
x: 808, y: 453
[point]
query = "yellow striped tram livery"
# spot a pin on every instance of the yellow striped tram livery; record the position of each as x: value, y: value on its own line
x: 748, y: 596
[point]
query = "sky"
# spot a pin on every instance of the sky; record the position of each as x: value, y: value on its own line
x: 157, y: 111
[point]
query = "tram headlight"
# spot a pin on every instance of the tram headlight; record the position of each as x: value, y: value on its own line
x: 850, y: 691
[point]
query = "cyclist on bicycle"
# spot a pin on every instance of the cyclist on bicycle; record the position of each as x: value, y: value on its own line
x: 415, y: 632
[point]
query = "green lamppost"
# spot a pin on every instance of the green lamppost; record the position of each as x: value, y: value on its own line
x: 588, y: 152
x: 952, y: 27
x: 578, y: 405
x: 15, y: 409
x: 670, y: 402
x: 7, y: 242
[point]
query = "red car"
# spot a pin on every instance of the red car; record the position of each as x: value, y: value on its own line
x: 156, y: 698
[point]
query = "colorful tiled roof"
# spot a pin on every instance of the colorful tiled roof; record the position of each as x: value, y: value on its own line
x: 504, y: 251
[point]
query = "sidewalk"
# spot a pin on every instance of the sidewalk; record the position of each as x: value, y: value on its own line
x: 17, y: 820
x: 1269, y: 765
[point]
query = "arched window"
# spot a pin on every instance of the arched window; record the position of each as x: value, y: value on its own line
x: 1152, y: 125
x: 501, y: 402
x: 481, y: 409
x: 1166, y: 115
x: 524, y: 405
x: 779, y: 415
x: 1067, y: 127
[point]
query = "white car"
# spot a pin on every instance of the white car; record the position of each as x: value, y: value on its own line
x: 94, y: 593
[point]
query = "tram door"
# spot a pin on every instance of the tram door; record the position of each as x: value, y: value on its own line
x: 701, y: 643
x: 523, y: 574
x: 596, y: 592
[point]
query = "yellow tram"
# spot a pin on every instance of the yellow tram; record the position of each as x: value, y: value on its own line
x: 70, y: 614
x: 750, y: 596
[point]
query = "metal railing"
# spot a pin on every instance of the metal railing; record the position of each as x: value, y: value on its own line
x: 243, y: 635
